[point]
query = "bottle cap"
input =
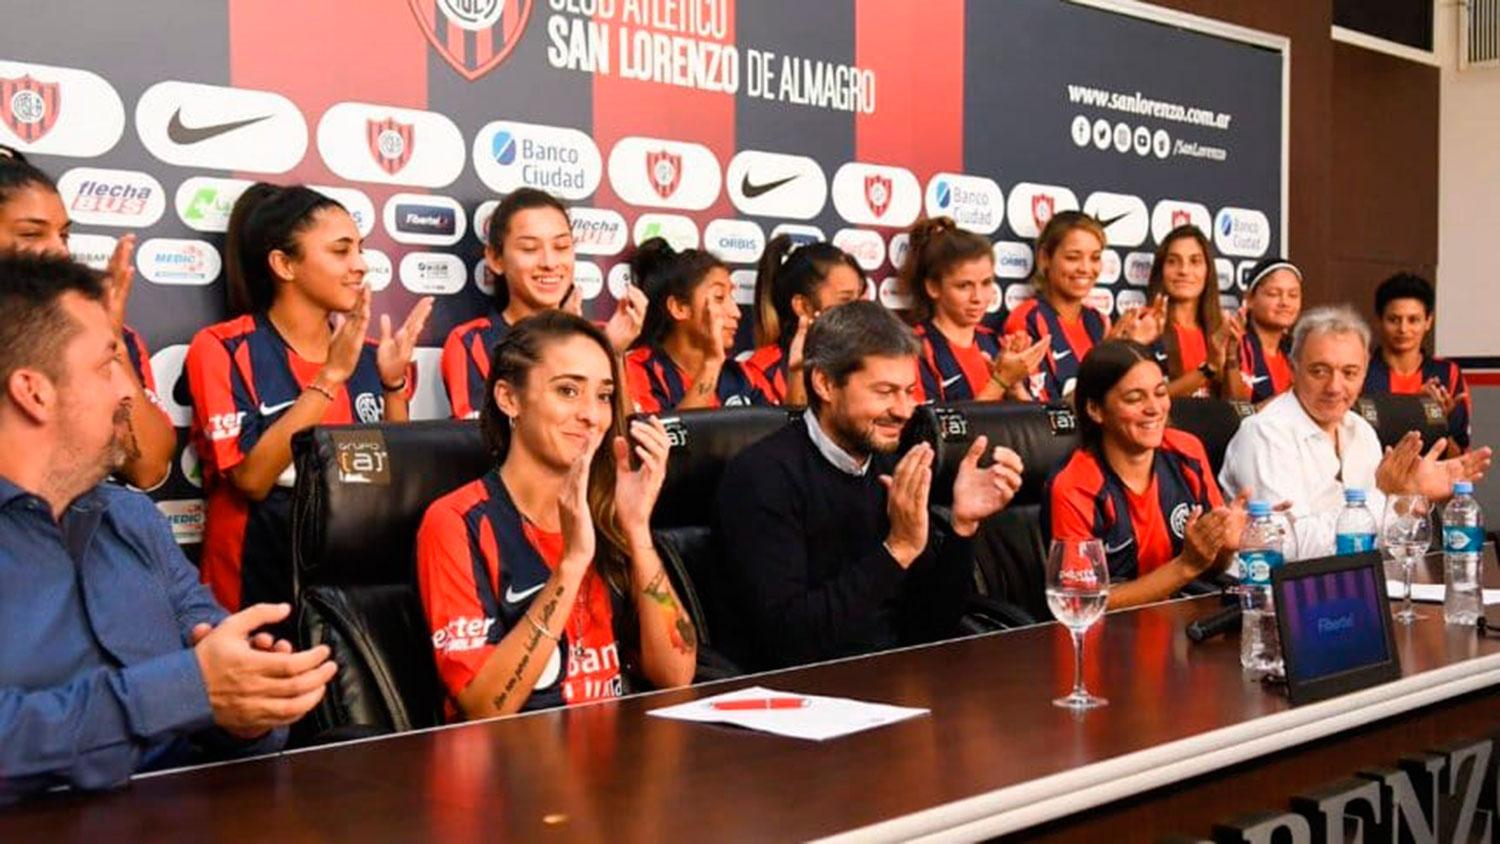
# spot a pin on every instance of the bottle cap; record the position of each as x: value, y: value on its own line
x: 1463, y: 488
x: 1354, y: 495
x: 1259, y: 509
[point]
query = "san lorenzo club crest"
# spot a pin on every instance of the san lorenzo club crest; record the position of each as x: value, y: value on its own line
x: 391, y: 143
x: 29, y: 106
x: 1042, y: 208
x: 664, y: 170
x: 878, y: 194
x: 472, y: 36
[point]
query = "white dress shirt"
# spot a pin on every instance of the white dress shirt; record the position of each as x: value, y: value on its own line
x: 1280, y: 454
x: 841, y: 459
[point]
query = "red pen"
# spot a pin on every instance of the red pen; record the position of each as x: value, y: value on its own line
x: 759, y: 703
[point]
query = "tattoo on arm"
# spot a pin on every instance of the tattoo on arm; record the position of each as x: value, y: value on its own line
x: 533, y: 639
x: 684, y: 637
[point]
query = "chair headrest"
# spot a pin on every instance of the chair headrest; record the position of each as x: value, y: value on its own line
x: 362, y: 489
x: 1213, y: 421
x: 1393, y: 416
x: 702, y: 442
x: 1042, y: 434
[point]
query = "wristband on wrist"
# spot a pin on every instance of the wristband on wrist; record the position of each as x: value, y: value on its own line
x: 1208, y: 371
x: 321, y: 390
x: 396, y: 388
x: 995, y: 376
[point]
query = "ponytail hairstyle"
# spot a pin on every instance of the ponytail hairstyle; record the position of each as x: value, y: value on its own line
x: 1101, y: 369
x: 937, y: 245
x: 1052, y: 235
x: 1210, y: 315
x: 786, y: 272
x: 512, y: 361
x: 17, y: 174
x: 266, y: 218
x: 663, y: 273
x: 523, y: 199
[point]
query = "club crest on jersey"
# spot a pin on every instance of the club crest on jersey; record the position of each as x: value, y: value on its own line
x: 29, y: 106
x: 472, y: 36
x: 369, y: 408
x: 391, y: 143
x: 664, y: 170
x: 1179, y: 520
x: 878, y: 193
x: 1043, y: 205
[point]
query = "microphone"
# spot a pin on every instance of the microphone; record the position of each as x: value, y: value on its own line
x: 1209, y: 626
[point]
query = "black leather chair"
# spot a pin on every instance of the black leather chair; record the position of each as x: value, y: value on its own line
x: 703, y: 441
x: 1393, y: 416
x: 361, y: 492
x: 1009, y: 555
x: 1213, y: 421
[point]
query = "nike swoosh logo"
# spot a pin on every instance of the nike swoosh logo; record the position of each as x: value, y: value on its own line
x: 1252, y: 380
x: 1062, y: 354
x: 948, y: 382
x: 751, y: 190
x: 1118, y: 548
x: 1115, y: 219
x: 514, y: 597
x: 178, y: 133
x: 270, y: 410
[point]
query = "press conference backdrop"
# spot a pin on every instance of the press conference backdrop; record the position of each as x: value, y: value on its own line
x: 713, y: 123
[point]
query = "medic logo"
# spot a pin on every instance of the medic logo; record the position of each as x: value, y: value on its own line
x: 878, y: 193
x: 664, y: 171
x: 477, y: 35
x: 29, y: 106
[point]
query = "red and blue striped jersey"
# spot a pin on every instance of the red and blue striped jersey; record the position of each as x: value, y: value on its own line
x: 767, y: 370
x: 657, y: 384
x: 1084, y: 498
x: 242, y: 377
x: 1382, y: 380
x: 1268, y: 376
x: 1071, y: 340
x: 480, y: 566
x: 466, y: 362
x: 950, y: 372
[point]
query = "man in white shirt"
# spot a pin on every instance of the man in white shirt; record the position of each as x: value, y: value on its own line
x: 1306, y: 446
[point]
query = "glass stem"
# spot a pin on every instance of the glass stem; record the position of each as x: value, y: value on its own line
x: 1078, y: 689
x: 1406, y: 574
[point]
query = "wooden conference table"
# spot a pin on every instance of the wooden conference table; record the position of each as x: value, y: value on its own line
x: 1186, y: 741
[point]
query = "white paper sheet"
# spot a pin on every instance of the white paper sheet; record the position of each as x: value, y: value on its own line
x: 1431, y: 592
x: 822, y: 717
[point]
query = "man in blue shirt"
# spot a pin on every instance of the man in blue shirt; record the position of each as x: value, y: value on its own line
x: 113, y: 657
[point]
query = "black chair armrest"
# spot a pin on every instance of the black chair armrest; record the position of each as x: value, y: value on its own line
x: 984, y: 613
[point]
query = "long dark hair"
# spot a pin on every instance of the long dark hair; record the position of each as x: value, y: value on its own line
x: 1210, y: 315
x: 512, y: 362
x: 1102, y: 368
x: 936, y: 247
x: 664, y: 273
x: 784, y: 273
x: 17, y: 174
x: 523, y: 199
x: 265, y: 219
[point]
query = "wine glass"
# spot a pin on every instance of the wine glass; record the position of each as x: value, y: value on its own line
x: 1077, y: 591
x: 1406, y: 533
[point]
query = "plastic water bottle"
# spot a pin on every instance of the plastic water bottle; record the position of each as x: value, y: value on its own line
x: 1261, y: 552
x: 1463, y: 536
x: 1355, y: 529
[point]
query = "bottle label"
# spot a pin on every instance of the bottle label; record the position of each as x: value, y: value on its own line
x: 1462, y: 540
x: 1354, y: 543
x: 1257, y: 565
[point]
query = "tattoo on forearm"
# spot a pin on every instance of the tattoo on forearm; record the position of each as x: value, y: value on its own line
x: 703, y: 388
x: 533, y: 639
x: 684, y: 637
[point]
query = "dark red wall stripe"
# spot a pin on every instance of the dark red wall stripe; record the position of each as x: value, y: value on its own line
x: 917, y: 53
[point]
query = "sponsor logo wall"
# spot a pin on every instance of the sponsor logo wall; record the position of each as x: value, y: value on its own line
x: 759, y: 132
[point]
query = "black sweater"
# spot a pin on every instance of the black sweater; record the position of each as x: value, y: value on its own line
x: 808, y: 574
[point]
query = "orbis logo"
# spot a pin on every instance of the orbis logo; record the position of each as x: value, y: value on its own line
x: 1012, y: 259
x: 564, y: 162
x: 735, y: 241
